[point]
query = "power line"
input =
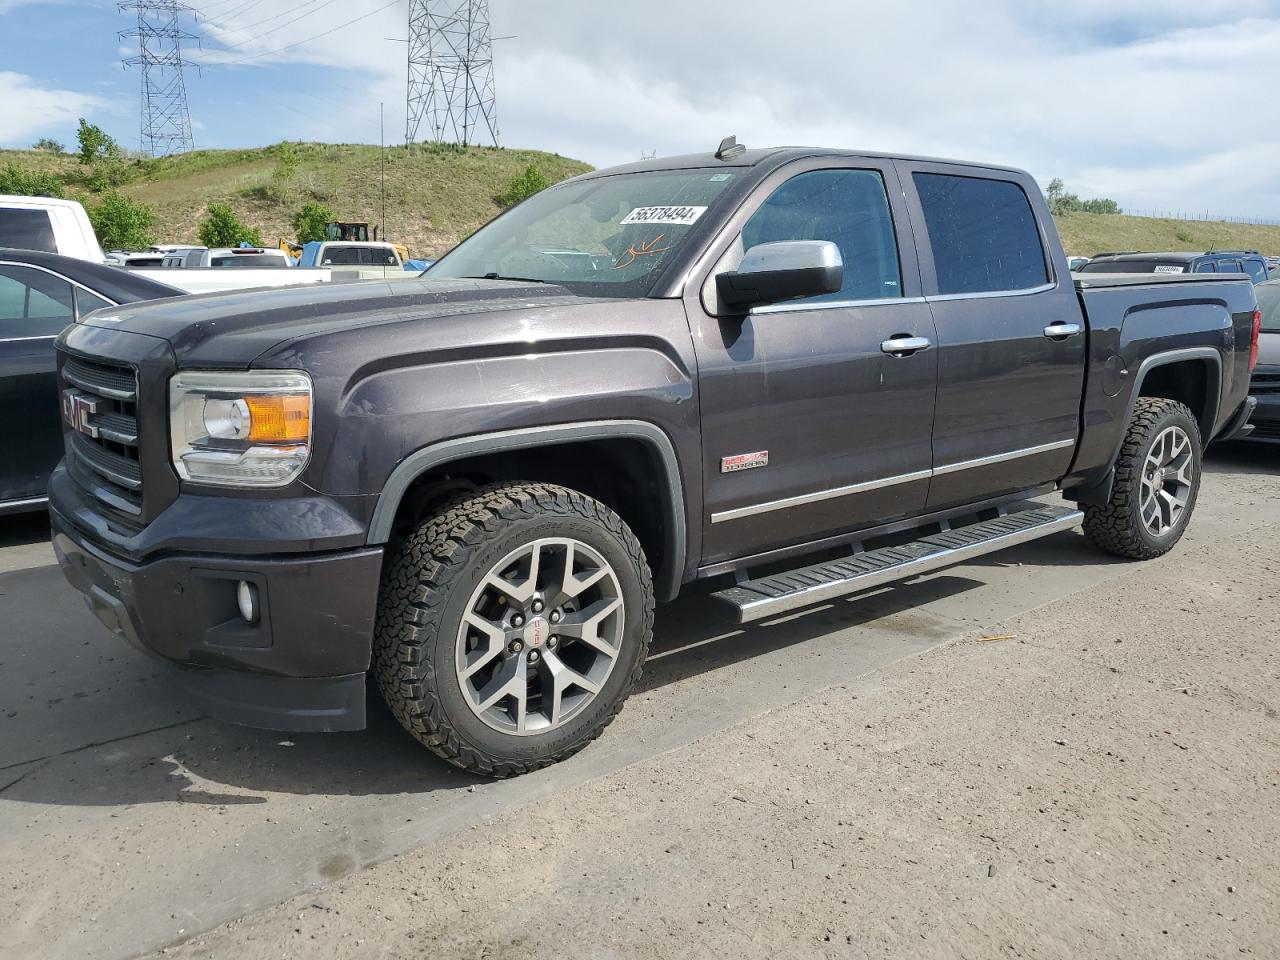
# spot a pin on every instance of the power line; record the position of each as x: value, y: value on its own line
x: 241, y: 45
x: 298, y: 43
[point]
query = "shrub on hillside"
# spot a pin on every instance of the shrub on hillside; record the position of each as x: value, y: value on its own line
x: 29, y: 183
x: 47, y: 145
x: 521, y: 187
x: 221, y: 228
x: 120, y: 223
x: 308, y: 223
x: 287, y: 160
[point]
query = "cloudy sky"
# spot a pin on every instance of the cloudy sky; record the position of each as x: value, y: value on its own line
x: 1170, y: 106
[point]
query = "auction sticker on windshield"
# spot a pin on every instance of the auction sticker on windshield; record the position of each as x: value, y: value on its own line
x: 683, y: 216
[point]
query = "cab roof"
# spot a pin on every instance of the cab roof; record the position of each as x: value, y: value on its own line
x: 771, y: 157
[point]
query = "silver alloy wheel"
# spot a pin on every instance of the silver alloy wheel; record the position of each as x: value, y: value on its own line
x: 540, y: 636
x: 1167, y: 481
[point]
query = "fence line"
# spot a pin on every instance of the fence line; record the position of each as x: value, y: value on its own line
x: 1205, y: 217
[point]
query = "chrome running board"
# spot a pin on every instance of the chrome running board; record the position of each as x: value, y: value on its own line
x: 752, y: 600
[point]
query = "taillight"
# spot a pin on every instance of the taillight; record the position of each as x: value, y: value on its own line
x: 1253, y: 346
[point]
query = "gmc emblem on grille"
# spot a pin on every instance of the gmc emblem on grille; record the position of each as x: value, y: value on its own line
x: 76, y: 408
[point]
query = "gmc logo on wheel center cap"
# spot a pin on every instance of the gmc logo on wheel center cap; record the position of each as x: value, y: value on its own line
x: 536, y: 633
x: 76, y: 409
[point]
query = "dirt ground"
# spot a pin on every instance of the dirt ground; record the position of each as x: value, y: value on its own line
x: 1098, y: 777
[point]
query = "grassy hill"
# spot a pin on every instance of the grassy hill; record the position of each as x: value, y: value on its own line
x: 1085, y: 234
x: 437, y: 195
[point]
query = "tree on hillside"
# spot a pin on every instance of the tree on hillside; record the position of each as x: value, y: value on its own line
x: 120, y: 223
x: 48, y: 146
x: 521, y: 187
x: 308, y: 223
x: 25, y: 183
x: 95, y: 143
x: 221, y: 228
x: 1062, y: 203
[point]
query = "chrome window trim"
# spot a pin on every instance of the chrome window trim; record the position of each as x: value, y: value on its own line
x: 60, y: 276
x: 1028, y: 292
x: 818, y: 496
x: 1002, y: 457
x: 28, y: 502
x: 831, y: 305
x: 47, y: 336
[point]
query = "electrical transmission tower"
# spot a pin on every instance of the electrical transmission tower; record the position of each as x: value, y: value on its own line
x: 166, y: 121
x: 451, y: 72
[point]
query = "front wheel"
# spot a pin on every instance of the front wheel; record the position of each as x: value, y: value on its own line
x: 1157, y: 478
x: 512, y: 625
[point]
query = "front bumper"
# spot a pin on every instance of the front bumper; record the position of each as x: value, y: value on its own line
x: 302, y: 664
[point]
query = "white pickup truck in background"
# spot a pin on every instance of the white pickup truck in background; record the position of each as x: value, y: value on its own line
x: 49, y: 225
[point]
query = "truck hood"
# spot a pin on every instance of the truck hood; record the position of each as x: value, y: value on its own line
x: 233, y: 329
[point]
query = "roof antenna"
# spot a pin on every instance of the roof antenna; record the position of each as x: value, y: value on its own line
x: 729, y: 148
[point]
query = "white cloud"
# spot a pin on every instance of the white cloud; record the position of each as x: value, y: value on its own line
x: 1163, y: 109
x: 31, y: 110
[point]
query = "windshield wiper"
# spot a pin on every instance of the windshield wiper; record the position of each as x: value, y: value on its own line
x: 498, y: 276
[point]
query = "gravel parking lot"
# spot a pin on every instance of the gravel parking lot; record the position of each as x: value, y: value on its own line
x: 1045, y: 754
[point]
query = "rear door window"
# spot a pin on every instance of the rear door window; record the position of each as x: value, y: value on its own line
x: 1256, y: 269
x: 26, y: 230
x: 983, y: 234
x: 33, y: 303
x: 848, y: 207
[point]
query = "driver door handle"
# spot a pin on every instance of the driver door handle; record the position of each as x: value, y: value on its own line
x: 904, y: 346
x: 1061, y: 331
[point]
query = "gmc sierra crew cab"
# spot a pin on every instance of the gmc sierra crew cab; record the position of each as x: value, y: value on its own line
x: 802, y: 372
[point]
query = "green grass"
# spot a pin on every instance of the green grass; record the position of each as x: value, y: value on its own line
x: 437, y: 195
x: 1084, y: 234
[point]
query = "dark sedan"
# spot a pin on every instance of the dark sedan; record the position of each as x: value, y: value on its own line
x: 40, y: 294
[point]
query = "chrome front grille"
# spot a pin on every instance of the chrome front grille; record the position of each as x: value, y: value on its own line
x: 100, y: 405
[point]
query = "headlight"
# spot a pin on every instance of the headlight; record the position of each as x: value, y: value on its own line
x: 240, y: 429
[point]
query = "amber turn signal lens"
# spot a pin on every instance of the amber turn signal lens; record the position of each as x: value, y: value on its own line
x: 279, y: 418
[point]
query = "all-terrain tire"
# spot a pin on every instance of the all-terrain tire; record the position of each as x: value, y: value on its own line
x: 426, y: 584
x: 1118, y: 527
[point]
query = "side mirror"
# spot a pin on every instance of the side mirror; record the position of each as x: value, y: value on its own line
x: 786, y: 270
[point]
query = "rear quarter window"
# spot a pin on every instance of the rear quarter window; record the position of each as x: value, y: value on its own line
x: 983, y: 234
x: 26, y: 230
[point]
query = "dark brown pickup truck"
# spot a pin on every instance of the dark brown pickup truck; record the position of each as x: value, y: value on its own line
x: 474, y: 487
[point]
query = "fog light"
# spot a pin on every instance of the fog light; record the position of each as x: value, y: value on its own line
x: 247, y: 597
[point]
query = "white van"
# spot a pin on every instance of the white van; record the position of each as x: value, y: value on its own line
x: 49, y: 225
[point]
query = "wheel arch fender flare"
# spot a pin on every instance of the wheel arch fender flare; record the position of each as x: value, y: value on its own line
x: 1213, y: 385
x: 459, y: 448
x: 1099, y: 491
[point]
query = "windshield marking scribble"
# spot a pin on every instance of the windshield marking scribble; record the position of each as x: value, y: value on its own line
x: 630, y: 255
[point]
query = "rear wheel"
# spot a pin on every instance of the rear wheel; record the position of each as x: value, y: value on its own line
x: 1157, y: 480
x: 512, y: 626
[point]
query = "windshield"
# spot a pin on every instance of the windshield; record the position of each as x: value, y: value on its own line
x: 606, y: 236
x: 1269, y: 304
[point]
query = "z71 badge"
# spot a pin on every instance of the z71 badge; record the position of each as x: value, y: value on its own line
x: 744, y: 461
